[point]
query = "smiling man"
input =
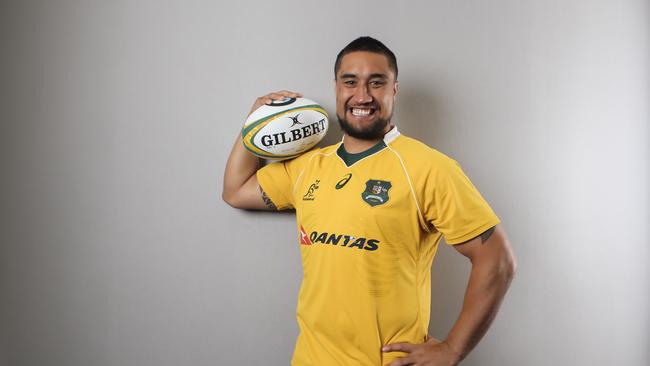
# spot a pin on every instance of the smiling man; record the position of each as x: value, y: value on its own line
x: 365, y: 112
x: 371, y: 211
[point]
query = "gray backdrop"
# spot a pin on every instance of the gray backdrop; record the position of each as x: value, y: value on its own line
x: 117, y: 118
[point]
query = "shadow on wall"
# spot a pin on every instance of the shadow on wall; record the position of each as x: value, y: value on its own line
x: 421, y: 114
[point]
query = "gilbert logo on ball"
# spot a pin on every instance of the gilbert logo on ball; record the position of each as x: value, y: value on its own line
x: 284, y: 129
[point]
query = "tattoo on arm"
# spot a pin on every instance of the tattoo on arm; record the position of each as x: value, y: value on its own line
x: 267, y: 200
x: 486, y: 235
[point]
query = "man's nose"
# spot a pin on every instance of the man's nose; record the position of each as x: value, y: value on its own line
x: 362, y: 95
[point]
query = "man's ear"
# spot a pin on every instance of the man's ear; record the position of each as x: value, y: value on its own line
x: 396, y: 87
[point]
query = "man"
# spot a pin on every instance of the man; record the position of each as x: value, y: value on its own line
x: 370, y: 213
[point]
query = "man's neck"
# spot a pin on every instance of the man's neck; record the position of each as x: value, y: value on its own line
x: 354, y: 145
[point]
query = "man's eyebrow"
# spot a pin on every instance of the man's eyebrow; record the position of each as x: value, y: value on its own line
x: 372, y: 76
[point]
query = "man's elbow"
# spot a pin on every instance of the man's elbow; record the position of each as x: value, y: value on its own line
x: 230, y: 198
x: 508, y: 266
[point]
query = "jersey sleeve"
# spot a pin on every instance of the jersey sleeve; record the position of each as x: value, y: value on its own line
x: 453, y: 205
x: 276, y: 181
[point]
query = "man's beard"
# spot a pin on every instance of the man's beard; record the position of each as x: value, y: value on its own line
x: 373, y: 132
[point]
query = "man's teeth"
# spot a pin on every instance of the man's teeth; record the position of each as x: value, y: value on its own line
x: 360, y: 112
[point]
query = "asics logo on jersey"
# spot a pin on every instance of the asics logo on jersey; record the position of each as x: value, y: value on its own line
x: 343, y: 181
x: 341, y: 240
x: 310, y: 196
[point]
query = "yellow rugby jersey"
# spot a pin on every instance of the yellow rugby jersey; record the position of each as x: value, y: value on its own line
x: 368, y: 228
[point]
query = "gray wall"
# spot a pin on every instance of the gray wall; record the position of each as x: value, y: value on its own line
x: 117, y: 118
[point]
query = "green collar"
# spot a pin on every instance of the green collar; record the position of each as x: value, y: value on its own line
x: 350, y: 159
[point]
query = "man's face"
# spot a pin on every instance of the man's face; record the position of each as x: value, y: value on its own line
x: 365, y: 93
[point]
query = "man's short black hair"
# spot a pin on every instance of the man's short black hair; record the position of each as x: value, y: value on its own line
x: 367, y: 44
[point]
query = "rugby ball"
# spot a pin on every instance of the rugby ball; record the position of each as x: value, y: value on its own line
x: 285, y: 128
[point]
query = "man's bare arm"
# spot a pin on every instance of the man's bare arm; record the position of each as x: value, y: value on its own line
x: 493, y: 267
x: 267, y: 200
x: 240, y: 186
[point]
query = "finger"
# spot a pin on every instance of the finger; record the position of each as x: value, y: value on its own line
x: 290, y: 94
x: 263, y: 100
x: 269, y: 98
x: 282, y: 95
x: 285, y: 94
x: 260, y: 102
x: 399, y: 347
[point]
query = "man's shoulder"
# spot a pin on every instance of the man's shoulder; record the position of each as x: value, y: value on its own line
x: 417, y: 151
x: 423, y: 162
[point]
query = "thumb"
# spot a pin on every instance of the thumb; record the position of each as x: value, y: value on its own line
x: 431, y: 340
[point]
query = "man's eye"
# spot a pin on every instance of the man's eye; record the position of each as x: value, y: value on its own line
x: 349, y: 82
x: 376, y: 83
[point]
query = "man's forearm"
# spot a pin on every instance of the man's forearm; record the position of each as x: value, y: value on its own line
x: 240, y: 186
x: 487, y: 286
x: 240, y: 167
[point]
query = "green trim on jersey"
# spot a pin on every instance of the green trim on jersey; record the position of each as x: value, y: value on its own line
x: 350, y: 159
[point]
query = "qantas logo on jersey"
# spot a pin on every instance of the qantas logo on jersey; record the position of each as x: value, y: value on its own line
x: 342, y: 240
x: 304, y: 238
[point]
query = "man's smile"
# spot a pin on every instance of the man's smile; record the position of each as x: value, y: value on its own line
x: 362, y: 112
